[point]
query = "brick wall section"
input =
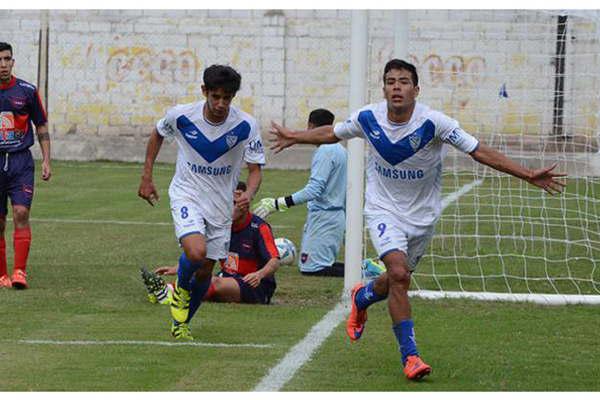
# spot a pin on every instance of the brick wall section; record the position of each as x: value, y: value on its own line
x: 113, y: 73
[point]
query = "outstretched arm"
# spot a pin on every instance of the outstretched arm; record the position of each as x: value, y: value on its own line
x: 147, y: 190
x: 319, y: 174
x: 284, y: 137
x: 543, y: 178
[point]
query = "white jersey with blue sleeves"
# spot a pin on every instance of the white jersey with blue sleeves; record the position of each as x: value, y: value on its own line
x: 404, y: 169
x: 210, y: 156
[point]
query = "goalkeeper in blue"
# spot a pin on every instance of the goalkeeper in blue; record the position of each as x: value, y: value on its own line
x: 325, y: 195
x: 407, y: 142
x: 213, y: 138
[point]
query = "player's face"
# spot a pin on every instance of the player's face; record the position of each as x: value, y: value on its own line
x: 6, y: 65
x: 217, y: 103
x: 399, y: 90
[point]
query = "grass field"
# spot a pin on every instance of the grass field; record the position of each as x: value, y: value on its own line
x: 91, y: 234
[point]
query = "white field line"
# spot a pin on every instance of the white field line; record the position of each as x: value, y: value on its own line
x: 141, y: 343
x: 298, y: 355
x: 116, y: 222
x: 452, y: 197
x: 302, y: 351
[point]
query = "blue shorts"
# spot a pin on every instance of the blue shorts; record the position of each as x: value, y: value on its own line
x: 16, y: 179
x: 321, y: 239
x: 259, y: 295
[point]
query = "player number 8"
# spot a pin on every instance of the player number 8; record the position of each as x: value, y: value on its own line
x: 184, y: 212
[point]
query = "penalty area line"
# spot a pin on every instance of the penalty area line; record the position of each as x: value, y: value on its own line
x: 140, y: 343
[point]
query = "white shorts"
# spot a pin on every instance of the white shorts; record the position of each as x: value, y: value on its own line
x: 188, y: 219
x: 389, y: 233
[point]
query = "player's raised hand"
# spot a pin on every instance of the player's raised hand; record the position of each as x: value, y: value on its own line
x: 147, y: 191
x: 269, y: 205
x: 546, y: 179
x: 282, y: 137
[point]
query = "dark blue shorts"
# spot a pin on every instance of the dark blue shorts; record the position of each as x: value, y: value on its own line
x: 260, y: 295
x: 16, y: 179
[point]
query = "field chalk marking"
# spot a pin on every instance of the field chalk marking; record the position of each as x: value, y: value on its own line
x: 141, y: 343
x: 116, y: 222
x: 302, y: 351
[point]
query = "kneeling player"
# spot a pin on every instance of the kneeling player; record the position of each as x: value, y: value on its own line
x: 247, y: 276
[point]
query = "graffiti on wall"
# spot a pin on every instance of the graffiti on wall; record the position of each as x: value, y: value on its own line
x: 143, y: 64
x: 459, y: 73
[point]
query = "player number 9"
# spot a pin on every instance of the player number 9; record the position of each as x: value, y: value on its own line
x: 381, y: 229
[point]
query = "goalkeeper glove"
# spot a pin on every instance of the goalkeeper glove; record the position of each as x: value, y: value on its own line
x: 269, y: 205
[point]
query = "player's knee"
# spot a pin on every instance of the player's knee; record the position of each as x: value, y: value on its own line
x: 399, y: 275
x: 217, y: 283
x: 20, y: 215
x: 195, y: 255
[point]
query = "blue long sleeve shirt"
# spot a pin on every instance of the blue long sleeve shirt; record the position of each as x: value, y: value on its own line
x: 326, y: 187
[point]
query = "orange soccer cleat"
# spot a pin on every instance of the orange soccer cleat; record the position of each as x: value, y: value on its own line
x: 415, y: 369
x: 19, y: 279
x: 5, y: 282
x: 355, y: 324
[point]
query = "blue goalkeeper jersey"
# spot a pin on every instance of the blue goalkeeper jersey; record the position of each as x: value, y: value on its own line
x: 326, y: 187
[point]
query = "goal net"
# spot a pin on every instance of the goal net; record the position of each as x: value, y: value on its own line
x: 528, y: 84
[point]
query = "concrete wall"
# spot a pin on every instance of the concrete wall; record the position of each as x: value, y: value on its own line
x: 113, y: 73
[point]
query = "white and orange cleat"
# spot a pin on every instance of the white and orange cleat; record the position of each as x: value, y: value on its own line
x: 355, y: 325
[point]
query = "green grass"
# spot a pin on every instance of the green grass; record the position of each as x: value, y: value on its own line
x: 85, y: 286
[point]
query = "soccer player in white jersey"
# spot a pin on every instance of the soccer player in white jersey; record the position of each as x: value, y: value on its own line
x: 406, y: 147
x: 213, y: 139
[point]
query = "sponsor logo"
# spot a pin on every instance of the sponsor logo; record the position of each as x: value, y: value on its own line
x: 375, y: 134
x: 28, y: 190
x: 208, y: 170
x: 256, y: 146
x: 7, y: 121
x: 454, y: 136
x: 17, y: 102
x: 27, y: 85
x: 400, y: 174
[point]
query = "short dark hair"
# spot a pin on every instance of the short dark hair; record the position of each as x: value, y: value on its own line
x: 401, y: 64
x: 6, y: 46
x: 222, y: 77
x: 241, y: 186
x: 320, y: 117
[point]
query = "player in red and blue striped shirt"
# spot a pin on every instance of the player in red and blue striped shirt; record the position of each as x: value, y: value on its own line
x: 20, y: 109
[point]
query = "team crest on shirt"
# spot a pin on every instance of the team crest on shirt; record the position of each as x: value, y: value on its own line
x: 231, y: 140
x: 415, y: 141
